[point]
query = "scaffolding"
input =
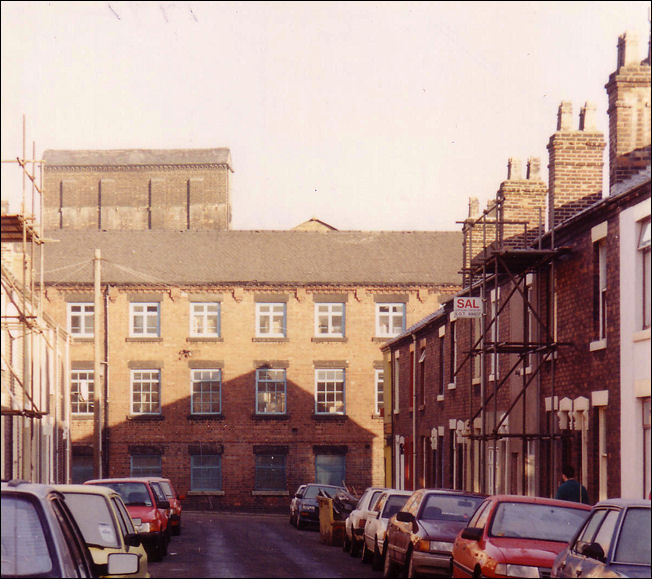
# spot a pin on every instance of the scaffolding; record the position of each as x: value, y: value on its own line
x: 35, y: 359
x: 501, y: 258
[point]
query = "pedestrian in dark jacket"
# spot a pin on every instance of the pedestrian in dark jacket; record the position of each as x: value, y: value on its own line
x: 570, y: 489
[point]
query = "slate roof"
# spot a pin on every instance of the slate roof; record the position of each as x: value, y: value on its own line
x: 135, y: 157
x: 256, y: 257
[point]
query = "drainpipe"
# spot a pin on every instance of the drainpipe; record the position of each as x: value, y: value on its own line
x: 414, y: 413
x: 105, y: 382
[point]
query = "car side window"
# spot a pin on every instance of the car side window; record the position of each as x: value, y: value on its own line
x: 590, y: 528
x: 380, y: 503
x: 158, y: 493
x: 73, y: 538
x: 121, y: 522
x: 374, y: 499
x: 606, y: 531
x: 477, y: 514
x: 483, y: 517
x: 416, y: 503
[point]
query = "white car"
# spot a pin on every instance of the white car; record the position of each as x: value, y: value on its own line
x: 373, y: 548
x: 355, y: 522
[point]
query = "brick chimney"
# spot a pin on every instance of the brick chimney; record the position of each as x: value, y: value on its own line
x: 575, y: 164
x: 628, y: 90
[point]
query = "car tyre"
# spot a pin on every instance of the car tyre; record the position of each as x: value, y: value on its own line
x: 390, y: 569
x: 367, y: 555
x: 411, y: 572
x: 346, y: 544
x: 355, y: 548
x: 299, y: 522
x: 378, y: 560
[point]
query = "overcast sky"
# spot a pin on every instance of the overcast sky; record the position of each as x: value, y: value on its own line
x: 370, y: 115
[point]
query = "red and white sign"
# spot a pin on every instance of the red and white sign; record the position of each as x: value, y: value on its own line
x: 468, y: 307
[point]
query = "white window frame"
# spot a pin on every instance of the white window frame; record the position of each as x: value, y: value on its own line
x: 205, y: 376
x: 271, y: 391
x: 330, y: 391
x: 379, y: 388
x: 85, y: 387
x: 87, y: 319
x: 146, y: 311
x: 201, y: 318
x: 153, y: 392
x: 272, y: 313
x: 643, y: 247
x: 327, y: 313
x: 389, y: 312
x: 602, y: 289
x: 396, y: 383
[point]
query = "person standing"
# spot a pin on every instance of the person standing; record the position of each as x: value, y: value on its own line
x: 570, y: 489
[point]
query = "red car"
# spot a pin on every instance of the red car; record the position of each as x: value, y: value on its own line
x: 516, y: 536
x: 175, y: 503
x: 147, y: 508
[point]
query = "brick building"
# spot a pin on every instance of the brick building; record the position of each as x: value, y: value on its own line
x: 557, y: 370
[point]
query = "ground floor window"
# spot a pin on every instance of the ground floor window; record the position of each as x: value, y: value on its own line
x: 81, y: 468
x: 271, y: 472
x: 206, y: 472
x: 330, y: 469
x: 146, y: 465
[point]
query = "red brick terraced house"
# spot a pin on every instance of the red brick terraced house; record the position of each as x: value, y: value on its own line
x: 556, y: 370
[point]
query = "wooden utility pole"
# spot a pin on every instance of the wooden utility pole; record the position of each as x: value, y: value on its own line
x: 98, y: 382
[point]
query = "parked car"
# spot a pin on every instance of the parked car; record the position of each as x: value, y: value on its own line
x: 41, y: 538
x: 147, y: 513
x: 105, y: 523
x: 304, y: 507
x: 613, y: 542
x: 355, y: 522
x: 516, y: 536
x: 373, y: 547
x: 175, y: 504
x: 420, y: 536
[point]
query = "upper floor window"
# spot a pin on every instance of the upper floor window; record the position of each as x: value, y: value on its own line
x: 205, y: 319
x: 644, y: 252
x: 329, y: 391
x: 144, y: 320
x: 270, y: 320
x: 81, y: 320
x: 329, y: 320
x: 271, y: 389
x: 600, y: 289
x: 379, y: 403
x: 390, y: 319
x: 145, y: 391
x: 452, y: 362
x: 82, y: 391
x: 395, y: 382
x: 206, y: 397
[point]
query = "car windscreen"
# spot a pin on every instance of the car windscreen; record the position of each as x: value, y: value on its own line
x: 94, y: 519
x: 537, y: 521
x: 24, y: 545
x: 312, y: 492
x: 634, y: 540
x: 393, y: 505
x: 441, y: 507
x: 132, y: 493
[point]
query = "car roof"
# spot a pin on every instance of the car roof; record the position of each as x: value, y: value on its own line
x: 537, y: 501
x: 452, y: 492
x: 20, y: 486
x: 86, y: 489
x: 623, y: 503
x: 142, y: 479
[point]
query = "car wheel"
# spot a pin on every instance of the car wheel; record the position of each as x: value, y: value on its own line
x: 346, y: 544
x: 355, y: 548
x: 176, y: 530
x: 477, y: 572
x: 378, y: 560
x: 389, y: 569
x: 366, y: 553
x: 411, y: 573
x: 300, y: 524
x: 291, y: 519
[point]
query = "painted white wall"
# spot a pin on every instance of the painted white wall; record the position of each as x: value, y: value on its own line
x: 634, y: 356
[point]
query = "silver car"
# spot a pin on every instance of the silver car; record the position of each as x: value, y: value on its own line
x: 355, y: 522
x: 373, y: 548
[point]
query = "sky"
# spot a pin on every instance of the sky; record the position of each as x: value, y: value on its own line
x: 365, y: 115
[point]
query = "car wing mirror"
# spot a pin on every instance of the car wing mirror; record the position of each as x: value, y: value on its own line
x: 122, y: 563
x: 472, y: 533
x: 163, y: 504
x: 405, y: 517
x: 594, y: 551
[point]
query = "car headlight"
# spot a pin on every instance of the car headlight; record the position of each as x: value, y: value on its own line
x: 434, y: 546
x: 308, y: 508
x: 517, y: 570
x: 142, y: 528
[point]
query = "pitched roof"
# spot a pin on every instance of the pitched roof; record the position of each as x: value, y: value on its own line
x: 135, y: 157
x: 301, y: 257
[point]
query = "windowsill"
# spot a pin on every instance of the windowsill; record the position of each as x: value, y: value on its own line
x: 278, y: 493
x: 82, y: 339
x: 205, y: 493
x: 82, y: 417
x: 329, y: 417
x: 641, y: 335
x: 320, y: 339
x: 278, y: 339
x: 476, y: 381
x: 452, y: 386
x: 598, y: 345
x: 143, y: 339
x: 382, y: 339
x: 145, y: 417
x: 200, y: 417
x: 204, y: 339
x: 263, y: 416
x: 440, y: 397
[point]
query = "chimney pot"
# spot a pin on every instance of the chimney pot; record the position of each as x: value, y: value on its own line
x: 587, y: 117
x: 565, y: 116
x: 628, y: 49
x: 534, y: 168
x: 514, y: 169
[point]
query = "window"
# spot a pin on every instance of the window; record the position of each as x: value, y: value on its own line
x: 144, y: 320
x: 205, y: 319
x: 379, y: 388
x: 390, y: 320
x: 453, y: 354
x: 82, y: 391
x: 270, y: 320
x: 395, y: 382
x: 81, y: 468
x: 330, y: 469
x: 206, y: 387
x: 442, y: 374
x: 600, y: 290
x: 476, y: 332
x: 145, y: 465
x: 422, y: 377
x: 329, y: 395
x: 644, y: 253
x: 271, y: 388
x: 145, y: 391
x: 81, y: 320
x: 206, y: 472
x: 329, y: 320
x: 270, y: 472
